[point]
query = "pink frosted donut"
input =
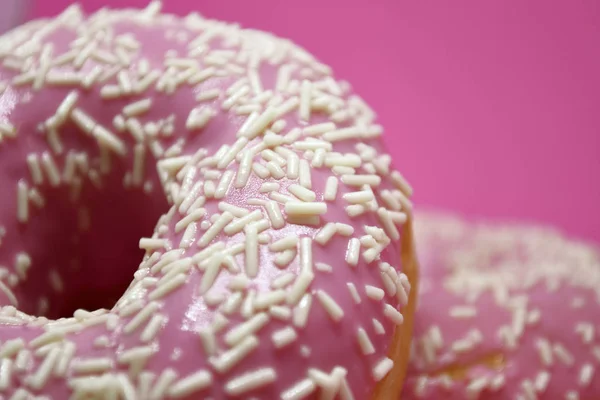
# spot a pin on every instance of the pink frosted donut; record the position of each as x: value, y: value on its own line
x: 278, y: 257
x: 504, y: 312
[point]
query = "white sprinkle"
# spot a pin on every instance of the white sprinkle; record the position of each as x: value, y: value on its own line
x: 137, y: 108
x: 545, y: 352
x: 238, y: 212
x: 208, y: 340
x: 235, y: 97
x: 244, y: 169
x: 212, y: 270
x: 41, y: 376
x: 293, y: 166
x: 353, y: 252
x: 168, y: 287
x: 56, y: 281
x: 141, y: 317
x: 300, y: 390
x: 250, y: 381
x: 388, y: 223
x: 194, y: 216
x: 463, y: 312
x: 201, y: 76
x: 382, y: 368
x: 152, y: 244
x: 541, y: 381
x: 361, y: 197
x: 35, y: 169
x: 306, y: 260
x: 344, y: 229
x: 563, y: 354
x: 192, y: 383
x: 284, y: 337
x: 260, y: 123
x: 331, y: 188
x: 22, y: 202
x: 249, y: 327
x: 361, y: 180
x: 11, y: 347
x: 378, y: 326
x: 64, y: 361
x: 199, y: 118
x: 393, y: 315
x: 305, y: 97
x: 284, y: 258
x: 286, y: 107
x: 300, y: 287
x: 298, y: 208
x: 355, y: 210
x: 283, y: 77
x: 302, y: 193
x: 572, y: 395
x: 268, y: 299
x: 304, y: 174
x: 233, y: 151
x: 91, y: 365
x: 51, y: 169
x: 235, y: 355
x: 209, y: 94
x: 282, y: 313
x: 152, y: 328
x: 353, y: 292
x: 85, y: 122
x: 164, y: 381
x: 247, y: 309
x: 275, y: 215
x: 319, y: 129
x: 301, y: 312
x: 6, y: 366
x: 323, y: 267
x: 135, y: 354
x: 243, y: 131
x: 401, y: 183
x: 326, y: 233
x: 585, y: 375
x: 215, y: 229
x: 288, y: 242
x: 269, y: 187
x: 335, y: 312
x: 108, y: 139
x: 252, y: 250
x: 390, y: 201
x: 223, y: 185
x: 476, y: 386
x: 260, y: 170
x: 364, y: 342
x: 374, y: 293
x: 353, y: 132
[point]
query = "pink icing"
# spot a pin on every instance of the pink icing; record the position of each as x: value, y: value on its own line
x: 530, y: 289
x: 79, y: 253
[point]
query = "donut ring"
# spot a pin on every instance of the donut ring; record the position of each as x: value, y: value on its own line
x: 506, y: 311
x: 282, y: 259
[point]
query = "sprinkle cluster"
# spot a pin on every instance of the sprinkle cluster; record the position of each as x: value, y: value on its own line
x: 275, y: 271
x: 505, y: 311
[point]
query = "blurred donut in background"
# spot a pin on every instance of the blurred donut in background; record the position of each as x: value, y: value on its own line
x: 505, y: 311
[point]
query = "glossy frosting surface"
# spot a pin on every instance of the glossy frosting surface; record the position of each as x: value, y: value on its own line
x: 505, y: 311
x: 256, y: 185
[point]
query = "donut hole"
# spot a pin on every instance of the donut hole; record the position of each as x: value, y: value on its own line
x: 85, y: 253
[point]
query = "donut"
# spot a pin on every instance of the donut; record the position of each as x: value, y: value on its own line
x: 192, y: 210
x: 505, y: 311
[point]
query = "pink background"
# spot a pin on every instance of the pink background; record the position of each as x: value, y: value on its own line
x: 491, y: 107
